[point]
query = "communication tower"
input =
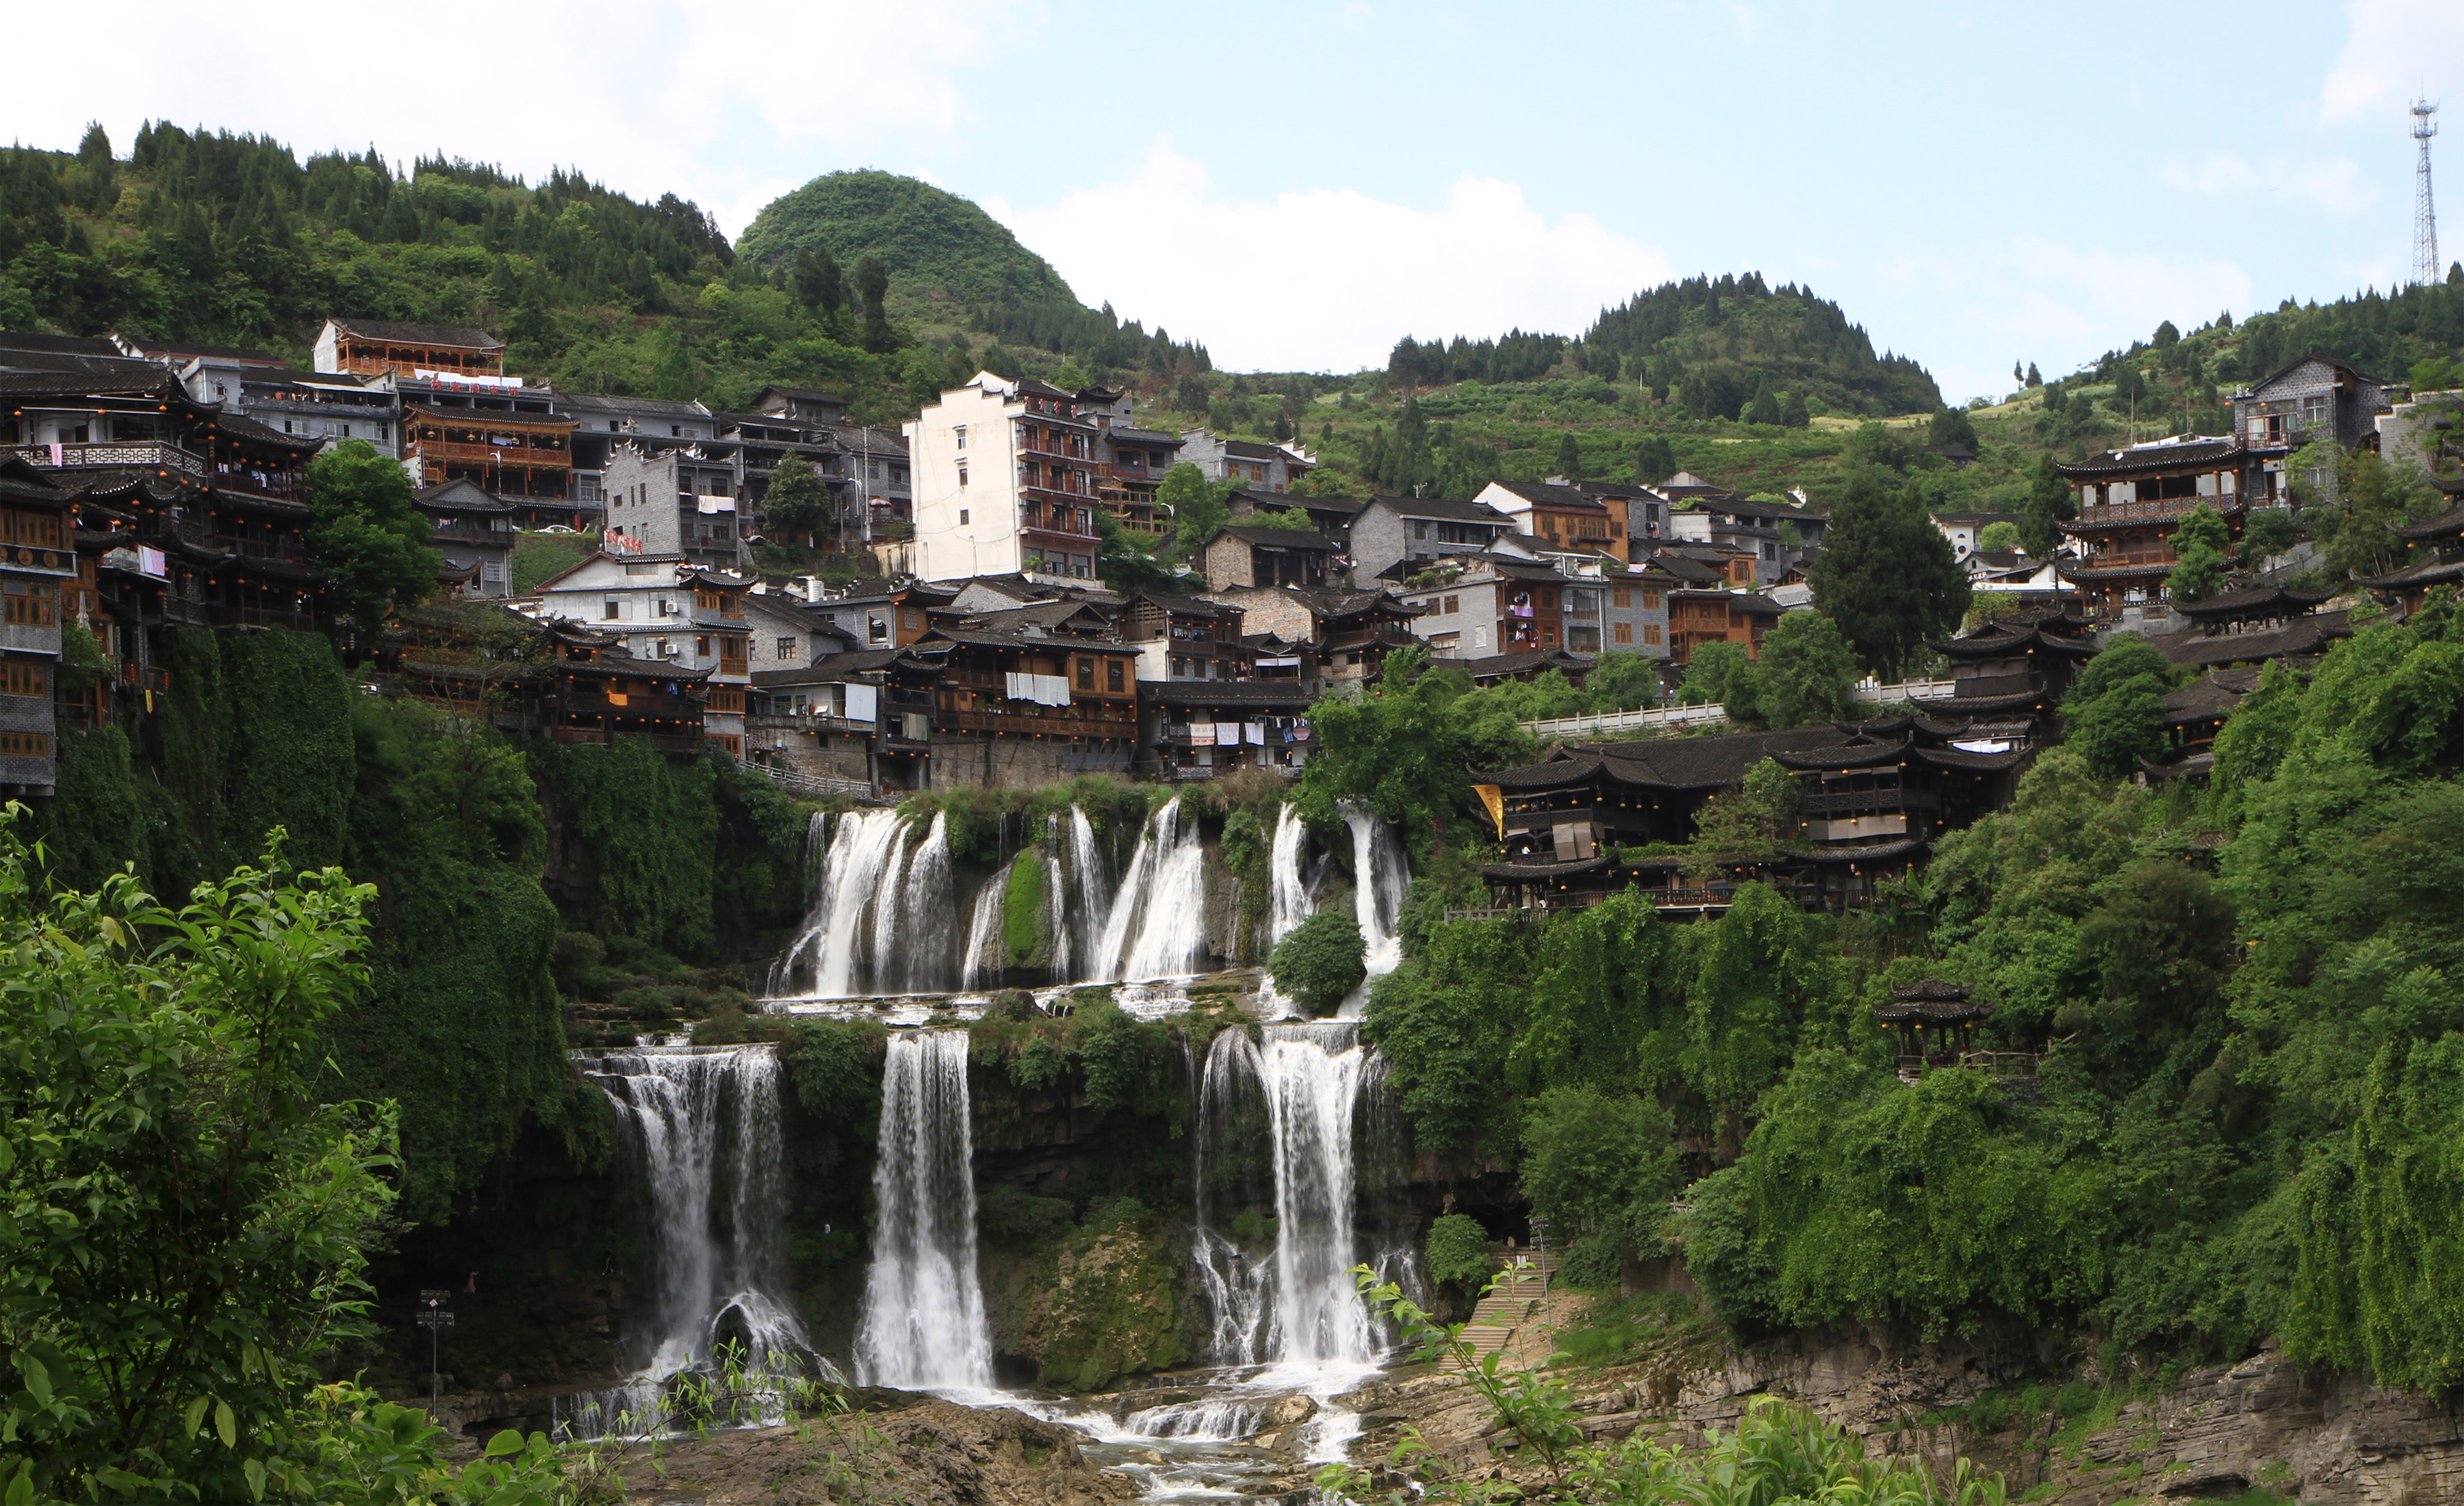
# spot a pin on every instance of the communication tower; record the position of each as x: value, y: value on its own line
x: 2425, y: 219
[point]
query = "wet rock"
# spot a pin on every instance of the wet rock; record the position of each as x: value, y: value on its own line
x: 1291, y: 1411
x: 936, y: 1454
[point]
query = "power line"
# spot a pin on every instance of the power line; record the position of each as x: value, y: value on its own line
x: 2425, y: 219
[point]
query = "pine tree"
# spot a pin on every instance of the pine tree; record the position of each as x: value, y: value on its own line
x: 2034, y: 380
x: 872, y: 281
x: 1886, y: 575
x: 1570, y: 457
x: 2050, y: 501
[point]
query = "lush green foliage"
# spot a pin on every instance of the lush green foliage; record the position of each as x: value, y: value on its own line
x: 1599, y: 1168
x: 1320, y: 960
x: 798, y: 502
x: 186, y: 1224
x: 367, y: 536
x: 1804, y: 675
x: 1886, y: 575
x: 1404, y: 749
x: 1456, y: 1251
x: 2114, y: 711
x: 1779, y: 1454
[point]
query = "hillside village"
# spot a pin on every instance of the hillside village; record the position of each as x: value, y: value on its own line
x: 967, y: 636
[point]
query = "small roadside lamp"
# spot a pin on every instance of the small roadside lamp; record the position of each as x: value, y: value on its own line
x: 435, y: 1318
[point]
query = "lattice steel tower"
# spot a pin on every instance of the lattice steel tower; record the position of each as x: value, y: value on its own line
x: 2425, y: 219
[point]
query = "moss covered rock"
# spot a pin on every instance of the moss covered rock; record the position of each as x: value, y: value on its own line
x: 1089, y: 1306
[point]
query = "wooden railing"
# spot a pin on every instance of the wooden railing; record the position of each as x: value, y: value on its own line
x: 142, y: 454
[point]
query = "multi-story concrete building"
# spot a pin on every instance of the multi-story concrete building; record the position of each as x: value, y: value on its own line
x: 674, y: 502
x: 1005, y: 478
x: 1254, y: 464
x: 1392, y: 537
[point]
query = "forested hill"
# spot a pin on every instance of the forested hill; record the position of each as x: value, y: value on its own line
x: 223, y: 239
x: 1729, y: 347
x: 950, y: 263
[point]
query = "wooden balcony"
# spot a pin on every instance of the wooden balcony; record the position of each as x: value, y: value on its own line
x: 445, y: 453
x: 160, y: 456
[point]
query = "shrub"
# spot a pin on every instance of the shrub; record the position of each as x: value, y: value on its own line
x: 1458, y: 1251
x: 1323, y: 959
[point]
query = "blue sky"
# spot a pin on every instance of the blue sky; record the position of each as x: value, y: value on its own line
x: 1299, y: 184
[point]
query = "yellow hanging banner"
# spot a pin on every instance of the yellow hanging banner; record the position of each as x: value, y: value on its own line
x: 1494, y: 799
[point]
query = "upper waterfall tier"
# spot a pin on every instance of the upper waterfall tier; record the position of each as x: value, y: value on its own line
x: 894, y: 912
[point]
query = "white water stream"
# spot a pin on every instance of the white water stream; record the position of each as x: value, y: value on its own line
x: 701, y: 1120
x: 923, y: 1325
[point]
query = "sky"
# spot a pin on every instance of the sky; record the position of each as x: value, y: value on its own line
x: 1297, y: 185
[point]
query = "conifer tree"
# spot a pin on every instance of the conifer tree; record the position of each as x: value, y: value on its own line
x: 1570, y: 457
x: 1886, y: 575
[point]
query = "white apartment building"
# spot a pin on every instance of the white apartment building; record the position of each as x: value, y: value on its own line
x: 1005, y: 478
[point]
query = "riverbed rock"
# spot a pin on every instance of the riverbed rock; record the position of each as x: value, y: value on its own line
x: 936, y: 1454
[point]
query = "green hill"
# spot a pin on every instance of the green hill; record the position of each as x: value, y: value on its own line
x: 934, y: 244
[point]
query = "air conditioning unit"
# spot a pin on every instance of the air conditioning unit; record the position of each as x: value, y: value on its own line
x: 668, y: 650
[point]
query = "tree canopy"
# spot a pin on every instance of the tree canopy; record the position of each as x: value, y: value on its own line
x: 368, y: 535
x: 1886, y: 575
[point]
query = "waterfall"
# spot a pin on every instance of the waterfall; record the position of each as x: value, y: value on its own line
x: 1056, y: 911
x: 850, y: 887
x: 674, y: 1107
x: 1312, y: 1073
x: 920, y: 937
x: 1092, y: 900
x: 1157, y: 926
x: 1287, y: 894
x: 1379, y: 874
x: 981, y: 967
x: 923, y: 1321
x: 1298, y: 1119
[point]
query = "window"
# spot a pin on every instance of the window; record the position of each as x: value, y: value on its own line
x: 962, y: 474
x: 1419, y: 528
x: 1454, y: 604
x: 1622, y: 631
x: 666, y: 609
x: 1086, y: 673
x: 960, y: 431
x: 1651, y: 633
x: 1651, y: 601
x: 701, y: 647
x: 615, y: 610
x: 962, y: 517
x: 787, y: 648
x: 1112, y: 675
x: 345, y: 429
x: 1480, y: 638
x: 22, y: 677
x: 25, y: 744
x: 1621, y: 596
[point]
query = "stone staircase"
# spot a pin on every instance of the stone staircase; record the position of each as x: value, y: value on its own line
x: 1512, y: 1303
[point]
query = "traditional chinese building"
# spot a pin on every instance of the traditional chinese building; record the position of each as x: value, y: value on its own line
x: 2131, y: 500
x: 376, y: 347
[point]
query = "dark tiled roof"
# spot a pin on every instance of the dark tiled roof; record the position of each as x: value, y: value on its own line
x: 1279, y: 537
x: 1932, y: 990
x: 2211, y: 697
x: 2152, y: 457
x: 1710, y: 763
x: 2446, y: 566
x: 2301, y: 636
x: 419, y: 334
x: 983, y: 638
x: 1531, y: 873
x: 1197, y: 606
x: 2446, y: 525
x: 238, y: 426
x: 1558, y: 499
x: 1517, y: 662
x: 1248, y: 449
x: 1444, y: 512
x: 59, y: 344
x: 2263, y: 601
x: 1144, y: 436
x: 1228, y: 692
x: 160, y: 349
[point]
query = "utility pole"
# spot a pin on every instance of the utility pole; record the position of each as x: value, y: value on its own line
x: 2425, y: 219
x: 433, y: 1317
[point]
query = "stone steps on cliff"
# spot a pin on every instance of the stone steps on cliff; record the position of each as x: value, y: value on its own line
x: 1510, y: 1303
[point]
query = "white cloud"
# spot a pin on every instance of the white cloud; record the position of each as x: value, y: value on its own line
x: 1320, y: 278
x: 650, y: 97
x: 2333, y: 184
x: 2395, y: 50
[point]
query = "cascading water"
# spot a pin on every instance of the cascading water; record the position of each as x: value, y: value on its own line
x: 676, y: 1107
x: 979, y: 966
x: 923, y: 1322
x: 826, y: 954
x: 1092, y: 896
x: 1380, y: 875
x: 1311, y: 1074
x: 1156, y: 925
x: 1287, y: 893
